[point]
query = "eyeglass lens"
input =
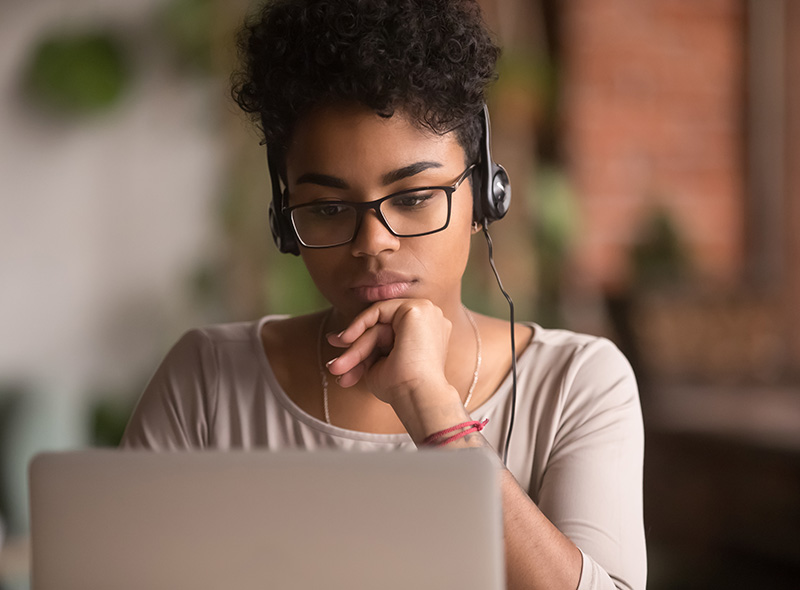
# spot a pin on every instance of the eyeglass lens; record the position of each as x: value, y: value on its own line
x: 407, y: 214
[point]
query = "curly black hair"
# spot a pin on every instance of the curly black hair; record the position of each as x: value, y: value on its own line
x: 431, y: 59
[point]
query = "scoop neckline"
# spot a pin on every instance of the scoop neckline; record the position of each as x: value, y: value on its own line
x: 480, y: 412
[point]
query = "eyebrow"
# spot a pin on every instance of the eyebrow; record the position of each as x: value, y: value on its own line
x: 322, y: 180
x: 407, y: 171
x: 387, y: 179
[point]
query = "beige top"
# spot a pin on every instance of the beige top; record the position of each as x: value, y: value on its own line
x: 576, y: 446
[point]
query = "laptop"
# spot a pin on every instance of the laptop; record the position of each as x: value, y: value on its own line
x: 212, y: 520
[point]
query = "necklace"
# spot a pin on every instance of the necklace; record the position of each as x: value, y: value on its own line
x: 324, y: 376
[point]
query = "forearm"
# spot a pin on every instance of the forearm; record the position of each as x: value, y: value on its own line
x: 538, y: 555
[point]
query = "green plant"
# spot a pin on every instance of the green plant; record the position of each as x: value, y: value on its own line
x: 77, y: 73
x: 109, y: 417
x: 659, y: 257
x: 188, y: 26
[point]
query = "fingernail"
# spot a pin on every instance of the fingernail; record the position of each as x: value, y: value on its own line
x: 339, y: 335
x: 330, y: 362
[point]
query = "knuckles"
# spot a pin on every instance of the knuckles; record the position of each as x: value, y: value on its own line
x: 427, y: 312
x: 418, y: 333
x: 421, y: 308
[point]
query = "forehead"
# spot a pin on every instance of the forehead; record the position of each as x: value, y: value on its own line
x: 351, y: 141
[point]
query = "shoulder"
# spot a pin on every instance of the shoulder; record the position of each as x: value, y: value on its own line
x: 203, y: 355
x: 576, y: 352
x: 556, y: 347
x: 218, y: 337
x: 179, y: 405
x: 587, y: 373
x: 564, y: 341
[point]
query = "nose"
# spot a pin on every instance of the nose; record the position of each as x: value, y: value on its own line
x: 373, y: 237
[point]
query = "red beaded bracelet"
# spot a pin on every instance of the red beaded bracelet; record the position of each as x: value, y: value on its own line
x: 439, y: 439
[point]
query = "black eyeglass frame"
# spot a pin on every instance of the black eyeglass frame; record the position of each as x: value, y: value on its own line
x: 361, y: 208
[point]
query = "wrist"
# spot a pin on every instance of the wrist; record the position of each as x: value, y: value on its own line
x: 455, y: 433
x: 424, y: 411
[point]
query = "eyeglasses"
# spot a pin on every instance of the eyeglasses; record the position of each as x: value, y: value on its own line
x: 406, y: 214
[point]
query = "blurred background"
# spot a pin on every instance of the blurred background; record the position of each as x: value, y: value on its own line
x: 654, y: 151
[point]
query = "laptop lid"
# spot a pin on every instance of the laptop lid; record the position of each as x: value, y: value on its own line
x: 212, y: 520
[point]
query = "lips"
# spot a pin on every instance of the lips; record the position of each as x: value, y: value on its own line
x: 382, y: 286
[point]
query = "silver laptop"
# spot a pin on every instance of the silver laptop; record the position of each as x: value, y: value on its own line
x: 103, y: 520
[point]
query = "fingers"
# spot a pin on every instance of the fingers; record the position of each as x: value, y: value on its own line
x: 375, y: 342
x: 353, y: 376
x: 392, y: 342
x: 379, y: 313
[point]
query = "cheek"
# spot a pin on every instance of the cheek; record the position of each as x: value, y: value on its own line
x: 449, y: 251
x: 463, y: 210
x: 461, y: 219
x: 321, y: 270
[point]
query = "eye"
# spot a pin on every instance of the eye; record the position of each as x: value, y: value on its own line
x: 415, y: 200
x: 327, y: 210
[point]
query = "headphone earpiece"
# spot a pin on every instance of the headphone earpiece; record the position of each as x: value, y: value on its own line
x: 494, y: 194
x: 500, y: 191
x: 282, y: 231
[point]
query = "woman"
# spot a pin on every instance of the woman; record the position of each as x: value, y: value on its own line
x: 372, y: 116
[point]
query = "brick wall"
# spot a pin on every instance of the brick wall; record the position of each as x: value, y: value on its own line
x: 792, y: 258
x: 653, y: 114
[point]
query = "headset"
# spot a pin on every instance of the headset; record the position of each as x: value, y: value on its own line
x: 490, y: 204
x: 493, y: 194
x: 491, y: 197
x: 282, y: 231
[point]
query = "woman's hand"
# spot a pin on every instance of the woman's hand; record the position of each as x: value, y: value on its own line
x: 399, y: 346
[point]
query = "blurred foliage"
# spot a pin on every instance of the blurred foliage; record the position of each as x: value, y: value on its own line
x: 659, y: 256
x: 526, y: 69
x: 556, y: 212
x: 189, y: 25
x: 11, y: 398
x: 555, y: 228
x: 109, y: 416
x: 532, y: 75
x: 257, y: 278
x: 77, y: 73
x: 206, y: 289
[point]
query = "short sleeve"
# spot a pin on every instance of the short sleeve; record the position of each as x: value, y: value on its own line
x: 175, y: 410
x: 592, y: 486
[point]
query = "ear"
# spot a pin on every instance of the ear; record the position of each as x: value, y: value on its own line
x: 476, y: 227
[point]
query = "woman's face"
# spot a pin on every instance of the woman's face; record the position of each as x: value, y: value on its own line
x: 348, y: 152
